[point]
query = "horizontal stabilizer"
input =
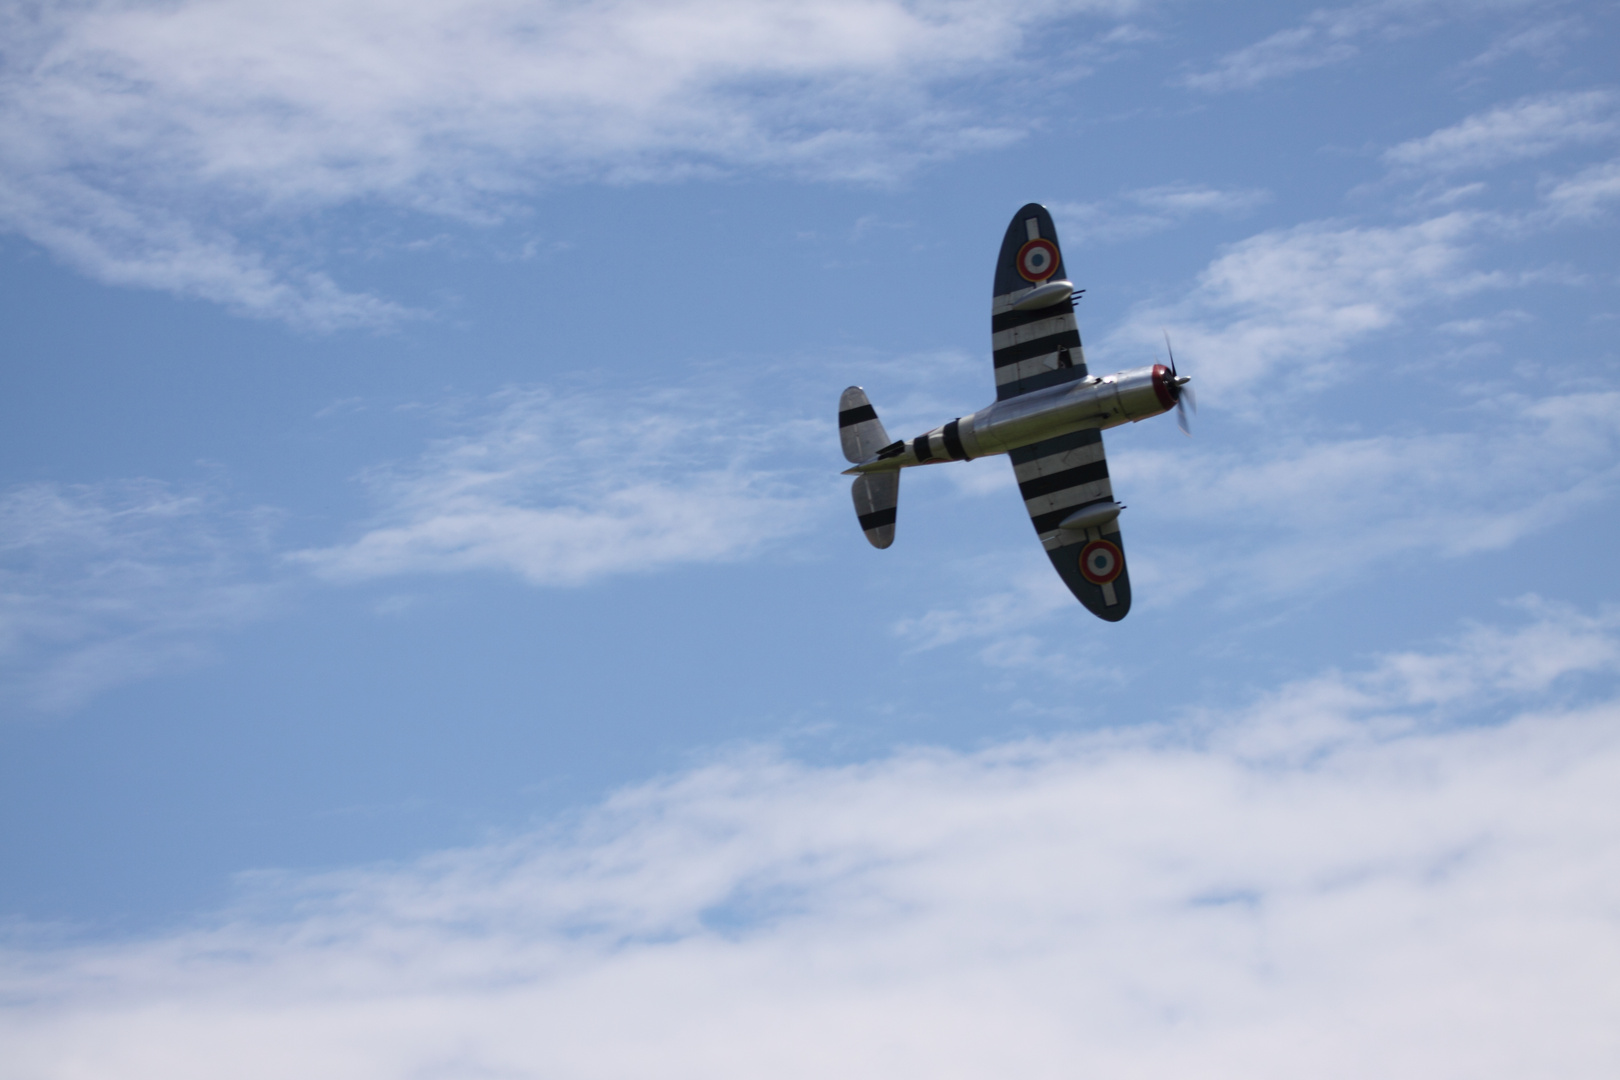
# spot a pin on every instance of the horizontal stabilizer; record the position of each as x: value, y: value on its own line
x: 859, y: 428
x: 876, y: 497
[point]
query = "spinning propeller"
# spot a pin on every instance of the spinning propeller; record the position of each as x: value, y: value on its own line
x: 1184, y: 393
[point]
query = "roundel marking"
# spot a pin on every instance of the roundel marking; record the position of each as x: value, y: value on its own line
x: 1101, y: 562
x: 1037, y: 259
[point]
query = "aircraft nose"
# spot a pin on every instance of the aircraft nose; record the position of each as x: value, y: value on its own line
x: 1165, y: 386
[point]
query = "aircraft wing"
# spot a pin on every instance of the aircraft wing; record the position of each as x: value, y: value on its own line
x: 1058, y: 477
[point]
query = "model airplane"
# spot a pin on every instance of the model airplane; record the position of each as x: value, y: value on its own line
x: 1048, y: 417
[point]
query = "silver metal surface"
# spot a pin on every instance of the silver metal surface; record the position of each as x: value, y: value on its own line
x: 1092, y: 402
x: 1053, y: 292
x: 876, y: 497
x: 863, y: 438
x: 1094, y: 516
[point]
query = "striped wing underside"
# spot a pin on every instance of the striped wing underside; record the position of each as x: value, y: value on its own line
x: 1033, y: 350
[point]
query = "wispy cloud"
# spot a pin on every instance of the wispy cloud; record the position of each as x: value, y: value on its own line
x: 1587, y: 194
x: 1294, y: 513
x: 1528, y: 128
x: 1276, y: 311
x: 1325, y: 37
x: 1329, y: 36
x: 1545, y: 40
x: 163, y: 145
x: 1296, y: 298
x: 1245, y: 895
x: 1149, y: 210
x: 103, y: 584
x: 1299, y: 514
x: 562, y: 489
x: 999, y: 616
x: 1483, y: 664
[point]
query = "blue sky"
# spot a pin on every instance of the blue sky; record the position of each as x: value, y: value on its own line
x: 435, y: 639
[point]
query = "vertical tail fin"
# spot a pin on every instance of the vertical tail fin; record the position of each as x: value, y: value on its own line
x: 876, y: 497
x: 859, y: 428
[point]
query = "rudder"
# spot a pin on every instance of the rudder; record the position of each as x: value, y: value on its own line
x: 859, y: 429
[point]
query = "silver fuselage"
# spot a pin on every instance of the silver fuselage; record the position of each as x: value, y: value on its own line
x: 1090, y: 402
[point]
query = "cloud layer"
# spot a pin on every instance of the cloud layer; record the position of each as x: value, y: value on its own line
x: 1351, y: 876
x: 1528, y: 128
x: 107, y: 583
x: 152, y: 145
x: 1329, y: 36
x: 1307, y: 513
x: 1272, y: 311
x: 563, y: 489
x: 103, y: 584
x: 1145, y: 211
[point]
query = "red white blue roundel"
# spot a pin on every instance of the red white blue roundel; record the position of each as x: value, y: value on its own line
x: 1101, y: 562
x: 1037, y: 259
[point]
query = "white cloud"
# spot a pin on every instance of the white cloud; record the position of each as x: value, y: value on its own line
x: 1187, y: 199
x: 1331, y: 36
x: 1530, y: 127
x: 1036, y: 593
x: 1488, y: 661
x: 1586, y: 194
x: 122, y: 243
x: 1250, y: 895
x: 1149, y: 210
x: 1491, y: 324
x: 103, y: 584
x: 165, y: 145
x: 1326, y: 37
x: 1294, y: 513
x: 1291, y: 300
x: 1546, y: 40
x: 565, y: 489
x: 1299, y: 514
x: 1018, y: 592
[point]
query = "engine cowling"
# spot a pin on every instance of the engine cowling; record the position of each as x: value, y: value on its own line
x: 1144, y: 392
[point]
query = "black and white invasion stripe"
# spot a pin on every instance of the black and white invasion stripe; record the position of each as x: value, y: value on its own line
x: 942, y: 444
x: 1058, y: 476
x: 1034, y: 349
